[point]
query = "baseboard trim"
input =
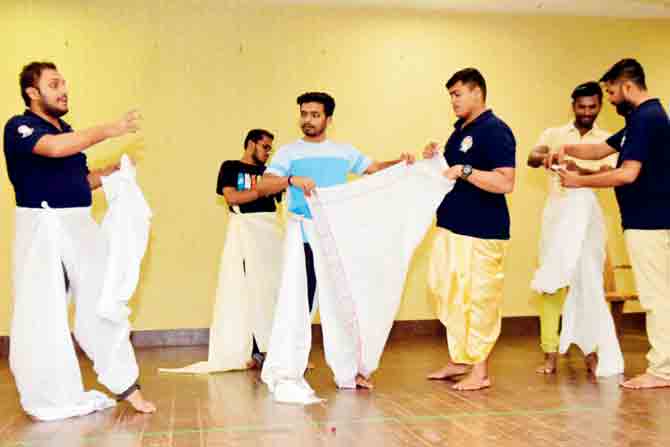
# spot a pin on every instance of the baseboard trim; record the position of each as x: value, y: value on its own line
x: 511, y: 326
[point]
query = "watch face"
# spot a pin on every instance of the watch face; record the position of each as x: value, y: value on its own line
x: 467, y: 170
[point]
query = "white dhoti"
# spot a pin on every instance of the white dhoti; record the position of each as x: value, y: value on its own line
x: 363, y: 236
x: 42, y: 354
x: 572, y: 253
x: 245, y: 295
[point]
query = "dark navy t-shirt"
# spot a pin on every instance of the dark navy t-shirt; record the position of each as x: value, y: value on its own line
x: 486, y: 144
x: 61, y: 182
x: 645, y: 203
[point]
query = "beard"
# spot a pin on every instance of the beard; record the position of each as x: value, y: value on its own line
x: 586, y: 123
x: 51, y: 109
x: 624, y: 108
x: 54, y: 111
x: 312, y: 131
x: 257, y: 160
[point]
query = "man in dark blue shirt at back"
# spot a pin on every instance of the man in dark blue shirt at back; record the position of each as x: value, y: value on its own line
x: 642, y: 187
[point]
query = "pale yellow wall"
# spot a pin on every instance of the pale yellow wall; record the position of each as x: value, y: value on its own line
x: 204, y: 72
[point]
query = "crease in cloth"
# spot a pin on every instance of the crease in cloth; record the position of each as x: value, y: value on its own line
x: 245, y: 301
x: 572, y: 254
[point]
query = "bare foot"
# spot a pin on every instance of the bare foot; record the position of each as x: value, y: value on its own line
x: 362, y: 382
x: 451, y: 370
x: 472, y: 382
x: 549, y: 365
x: 591, y: 362
x: 139, y: 403
x: 645, y: 381
x: 251, y: 364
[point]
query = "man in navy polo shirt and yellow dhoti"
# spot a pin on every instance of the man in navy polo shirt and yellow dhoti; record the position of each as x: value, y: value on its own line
x: 642, y: 188
x: 57, y: 245
x: 466, y: 271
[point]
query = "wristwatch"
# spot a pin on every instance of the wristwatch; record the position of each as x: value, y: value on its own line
x: 466, y: 171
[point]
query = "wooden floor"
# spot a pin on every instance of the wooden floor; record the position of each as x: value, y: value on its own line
x: 522, y: 409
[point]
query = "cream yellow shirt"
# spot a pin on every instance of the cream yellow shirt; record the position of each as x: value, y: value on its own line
x: 555, y: 137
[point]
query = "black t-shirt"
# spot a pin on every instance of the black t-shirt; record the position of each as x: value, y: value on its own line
x: 486, y: 143
x: 60, y: 182
x: 243, y: 177
x: 645, y: 203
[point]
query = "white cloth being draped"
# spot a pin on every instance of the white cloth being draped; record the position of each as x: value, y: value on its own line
x: 572, y: 253
x: 126, y: 227
x: 363, y: 235
x: 42, y: 355
x: 245, y: 295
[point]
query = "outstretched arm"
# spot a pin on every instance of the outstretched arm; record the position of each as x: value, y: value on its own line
x: 596, y: 151
x: 377, y: 166
x: 70, y: 143
x: 626, y: 174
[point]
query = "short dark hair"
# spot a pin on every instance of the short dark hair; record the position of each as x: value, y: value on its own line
x: 30, y: 76
x: 469, y: 76
x: 256, y: 135
x: 325, y: 99
x: 626, y: 69
x: 591, y: 88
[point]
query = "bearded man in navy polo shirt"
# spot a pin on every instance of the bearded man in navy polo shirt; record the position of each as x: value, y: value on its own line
x: 58, y: 246
x: 466, y: 271
x: 642, y: 186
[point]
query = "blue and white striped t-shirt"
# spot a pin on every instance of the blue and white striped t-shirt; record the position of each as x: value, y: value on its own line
x: 326, y: 163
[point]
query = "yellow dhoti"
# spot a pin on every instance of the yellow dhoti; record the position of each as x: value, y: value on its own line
x: 466, y: 275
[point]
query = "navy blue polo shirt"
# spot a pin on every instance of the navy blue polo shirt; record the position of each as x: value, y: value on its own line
x: 61, y: 182
x: 486, y: 143
x: 645, y: 203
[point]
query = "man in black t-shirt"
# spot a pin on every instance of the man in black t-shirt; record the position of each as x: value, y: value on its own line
x: 238, y: 178
x: 642, y: 186
x: 249, y: 270
x: 237, y: 183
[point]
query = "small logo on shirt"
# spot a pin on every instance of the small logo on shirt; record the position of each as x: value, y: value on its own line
x: 25, y: 131
x: 466, y: 144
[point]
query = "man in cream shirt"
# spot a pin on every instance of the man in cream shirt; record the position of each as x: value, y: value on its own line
x: 586, y: 105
